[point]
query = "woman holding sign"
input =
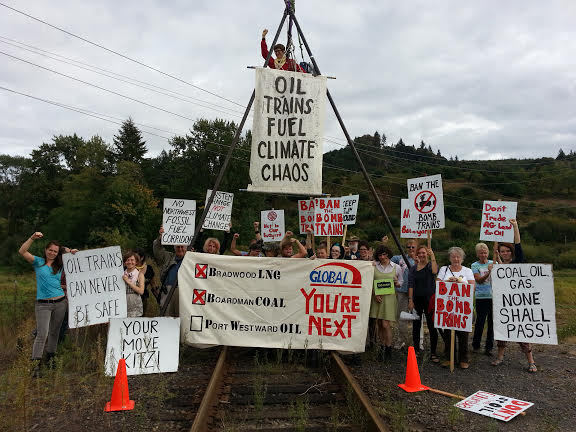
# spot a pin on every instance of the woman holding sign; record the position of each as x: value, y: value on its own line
x: 456, y: 272
x: 135, y: 283
x: 482, y: 269
x: 421, y: 288
x: 387, y: 276
x: 513, y: 254
x: 51, y: 302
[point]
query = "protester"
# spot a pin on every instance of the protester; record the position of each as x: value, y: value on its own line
x: 421, y: 290
x: 148, y: 273
x: 169, y: 263
x: 271, y: 250
x: 513, y: 254
x: 286, y: 250
x: 281, y: 61
x: 51, y: 303
x: 364, y: 251
x: 482, y: 270
x: 337, y: 251
x: 321, y: 252
x: 456, y: 272
x: 383, y: 306
x: 402, y: 291
x: 352, y: 250
x: 254, y: 250
x: 135, y: 284
x: 211, y: 245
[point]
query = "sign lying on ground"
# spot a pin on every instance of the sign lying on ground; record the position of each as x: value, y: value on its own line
x: 495, y: 225
x: 492, y: 405
x: 427, y: 203
x: 96, y: 291
x: 287, y: 132
x: 405, y: 230
x: 275, y: 302
x: 454, y: 306
x: 523, y: 303
x: 149, y: 345
x: 272, y: 225
x: 179, y: 221
x: 349, y: 209
x: 328, y: 217
x: 220, y: 214
x: 306, y: 215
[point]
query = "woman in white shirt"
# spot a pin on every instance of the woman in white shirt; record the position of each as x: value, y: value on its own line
x: 456, y: 272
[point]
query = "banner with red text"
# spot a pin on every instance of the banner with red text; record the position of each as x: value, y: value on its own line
x: 272, y: 225
x: 492, y: 405
x: 306, y: 215
x: 405, y: 230
x: 275, y: 302
x: 454, y: 306
x: 328, y: 217
x: 495, y: 225
x: 426, y: 203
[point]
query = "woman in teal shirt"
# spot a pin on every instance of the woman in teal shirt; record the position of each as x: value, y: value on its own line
x: 482, y: 269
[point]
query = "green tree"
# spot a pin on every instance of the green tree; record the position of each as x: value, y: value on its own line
x: 128, y: 144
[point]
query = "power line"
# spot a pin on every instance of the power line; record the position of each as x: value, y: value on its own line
x: 118, y: 54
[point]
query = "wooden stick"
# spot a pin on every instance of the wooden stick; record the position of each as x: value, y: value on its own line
x: 429, y: 238
x: 452, y: 334
x: 344, y: 236
x: 328, y: 246
x: 447, y: 394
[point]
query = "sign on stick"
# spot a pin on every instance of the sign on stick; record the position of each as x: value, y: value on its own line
x: 523, y: 303
x: 272, y: 225
x: 179, y: 221
x: 426, y: 197
x: 328, y: 217
x: 492, y: 405
x: 496, y: 224
x: 96, y: 291
x: 405, y: 230
x: 349, y: 208
x: 220, y: 213
x: 287, y: 133
x: 454, y: 306
x: 305, y: 215
x: 149, y: 345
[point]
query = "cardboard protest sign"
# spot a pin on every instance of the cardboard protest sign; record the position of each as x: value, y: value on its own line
x: 427, y: 199
x: 492, y: 405
x: 305, y: 215
x: 287, y: 132
x: 454, y: 306
x: 179, y: 221
x: 96, y: 291
x: 349, y: 208
x: 384, y: 286
x: 275, y: 302
x: 405, y: 230
x: 328, y: 217
x: 149, y: 345
x: 272, y: 225
x: 220, y: 214
x: 523, y: 303
x: 495, y: 225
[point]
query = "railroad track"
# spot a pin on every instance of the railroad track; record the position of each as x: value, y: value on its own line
x: 272, y: 390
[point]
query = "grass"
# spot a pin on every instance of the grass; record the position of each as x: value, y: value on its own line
x: 565, y: 296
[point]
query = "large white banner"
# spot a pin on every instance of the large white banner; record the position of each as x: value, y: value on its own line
x: 275, y: 302
x: 328, y: 217
x: 148, y: 345
x: 287, y: 132
x: 426, y: 203
x: 495, y: 225
x: 523, y: 303
x: 96, y: 291
x: 272, y: 228
x: 219, y: 216
x: 492, y: 405
x: 179, y: 221
x: 405, y: 230
x: 349, y: 208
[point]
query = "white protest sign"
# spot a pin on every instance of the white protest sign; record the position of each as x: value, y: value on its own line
x: 454, y: 306
x: 523, y: 303
x: 426, y: 197
x: 305, y: 215
x: 287, y: 132
x: 328, y: 217
x: 149, y: 345
x: 349, y: 208
x: 220, y: 214
x: 96, y: 291
x: 178, y: 221
x: 492, y: 405
x: 495, y: 225
x: 275, y: 302
x: 405, y: 230
x: 272, y: 225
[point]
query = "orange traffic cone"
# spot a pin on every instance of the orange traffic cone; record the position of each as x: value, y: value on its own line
x: 120, y: 398
x: 412, y: 383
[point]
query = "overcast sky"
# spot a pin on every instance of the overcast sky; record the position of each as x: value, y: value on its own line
x: 481, y: 80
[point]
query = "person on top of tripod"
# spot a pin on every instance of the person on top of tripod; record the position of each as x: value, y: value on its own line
x: 281, y: 61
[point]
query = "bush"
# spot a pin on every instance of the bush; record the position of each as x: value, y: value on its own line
x: 567, y: 259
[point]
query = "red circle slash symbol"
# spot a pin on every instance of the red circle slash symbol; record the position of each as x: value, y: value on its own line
x: 425, y: 202
x: 272, y: 216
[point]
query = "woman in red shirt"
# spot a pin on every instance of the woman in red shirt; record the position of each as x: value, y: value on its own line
x: 280, y: 62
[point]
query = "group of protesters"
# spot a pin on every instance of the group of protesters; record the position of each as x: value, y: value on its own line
x: 413, y: 291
